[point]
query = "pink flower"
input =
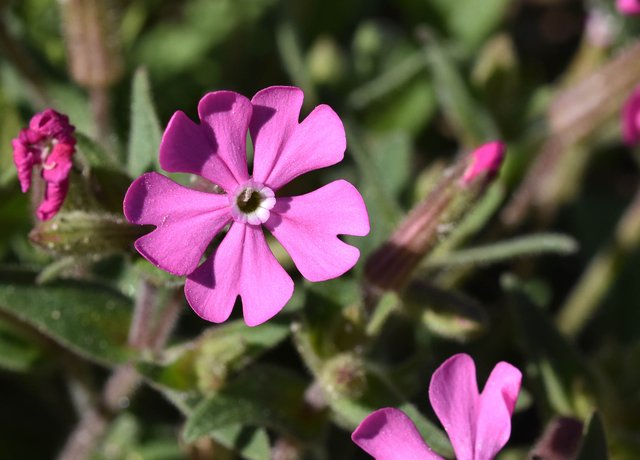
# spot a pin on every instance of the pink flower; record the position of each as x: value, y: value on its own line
x: 478, y: 424
x: 47, y: 145
x: 187, y: 220
x: 485, y: 161
x: 631, y: 118
x: 628, y: 6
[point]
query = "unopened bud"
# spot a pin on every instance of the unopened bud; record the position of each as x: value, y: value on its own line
x: 93, y: 45
x: 344, y: 376
x: 429, y: 222
x: 85, y: 233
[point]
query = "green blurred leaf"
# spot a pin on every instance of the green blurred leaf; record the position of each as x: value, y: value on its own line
x: 594, y: 442
x: 467, y: 21
x: 18, y: 352
x: 145, y: 131
x: 263, y: 396
x: 206, y: 362
x: 250, y: 443
x: 9, y: 128
x: 565, y: 382
x: 87, y: 318
x: 471, y: 121
x: 93, y: 153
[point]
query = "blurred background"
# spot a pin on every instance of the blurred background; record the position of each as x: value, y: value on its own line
x: 540, y: 268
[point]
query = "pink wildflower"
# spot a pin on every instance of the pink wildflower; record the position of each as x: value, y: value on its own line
x: 46, y: 145
x: 631, y: 119
x: 478, y: 424
x: 187, y: 220
x: 628, y: 6
x: 485, y: 161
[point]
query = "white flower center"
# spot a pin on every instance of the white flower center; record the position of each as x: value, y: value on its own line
x: 252, y: 202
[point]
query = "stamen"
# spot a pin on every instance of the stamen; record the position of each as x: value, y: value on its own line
x: 251, y: 203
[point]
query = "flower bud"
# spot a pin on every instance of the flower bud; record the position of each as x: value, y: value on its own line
x: 631, y: 118
x: 391, y: 266
x: 344, y: 376
x: 628, y: 6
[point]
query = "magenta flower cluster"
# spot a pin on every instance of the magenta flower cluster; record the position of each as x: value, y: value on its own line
x: 187, y: 220
x: 478, y: 424
x: 46, y: 147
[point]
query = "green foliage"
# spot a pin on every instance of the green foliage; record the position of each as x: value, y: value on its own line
x: 89, y: 319
x: 145, y: 133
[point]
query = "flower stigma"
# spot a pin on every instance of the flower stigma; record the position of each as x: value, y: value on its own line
x: 252, y: 202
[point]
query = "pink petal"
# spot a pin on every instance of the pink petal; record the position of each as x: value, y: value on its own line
x: 187, y: 221
x: 54, y: 195
x: 307, y: 226
x: 24, y: 160
x: 242, y: 265
x: 216, y: 148
x: 453, y: 393
x: 58, y: 164
x: 285, y: 149
x: 388, y: 434
x: 628, y: 6
x: 631, y: 119
x: 496, y: 406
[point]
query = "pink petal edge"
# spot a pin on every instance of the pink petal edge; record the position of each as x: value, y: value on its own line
x: 186, y: 220
x: 285, y: 149
x: 307, y: 226
x: 214, y: 149
x: 628, y: 6
x: 242, y: 265
x: 389, y: 434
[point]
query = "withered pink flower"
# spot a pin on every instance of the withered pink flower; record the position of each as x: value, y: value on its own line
x: 631, y: 119
x: 46, y: 147
x: 478, y: 424
x: 242, y: 265
x: 628, y: 6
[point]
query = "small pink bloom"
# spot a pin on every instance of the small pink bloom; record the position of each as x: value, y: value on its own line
x: 243, y: 265
x: 628, y: 6
x: 47, y: 145
x: 631, y: 119
x: 485, y: 161
x: 478, y: 424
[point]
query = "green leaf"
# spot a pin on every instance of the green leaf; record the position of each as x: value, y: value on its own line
x: 468, y: 118
x: 250, y: 443
x: 9, y: 129
x: 93, y: 153
x: 466, y: 21
x: 523, y: 246
x: 205, y: 363
x: 263, y: 396
x: 145, y: 132
x: 18, y: 352
x: 594, y: 441
x: 564, y: 379
x: 87, y: 318
x: 348, y: 413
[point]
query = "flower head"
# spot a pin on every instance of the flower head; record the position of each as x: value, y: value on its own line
x: 478, y: 424
x: 631, y: 118
x: 628, y: 6
x: 243, y: 265
x: 47, y: 146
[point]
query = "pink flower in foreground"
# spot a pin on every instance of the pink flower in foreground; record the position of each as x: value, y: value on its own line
x: 631, y: 119
x: 242, y: 264
x: 628, y: 6
x: 47, y: 146
x: 478, y: 424
x: 486, y: 161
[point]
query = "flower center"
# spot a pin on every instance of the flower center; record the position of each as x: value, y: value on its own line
x: 251, y: 203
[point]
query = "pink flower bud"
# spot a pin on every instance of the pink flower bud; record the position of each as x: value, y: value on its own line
x: 48, y: 145
x: 485, y: 162
x: 628, y: 6
x: 631, y: 119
